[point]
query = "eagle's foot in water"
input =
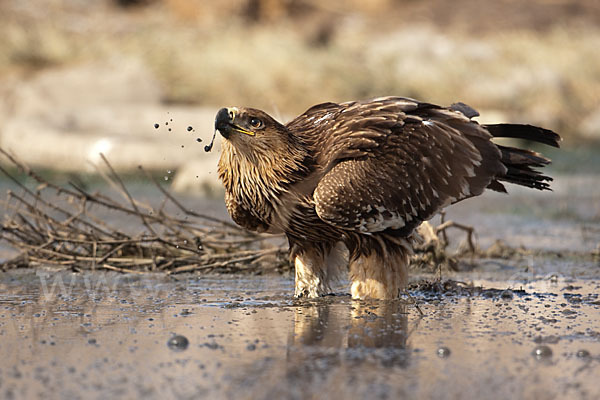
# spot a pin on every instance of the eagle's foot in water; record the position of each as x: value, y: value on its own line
x: 311, y: 281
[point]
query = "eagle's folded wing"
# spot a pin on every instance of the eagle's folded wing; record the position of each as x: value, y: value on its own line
x: 398, y: 167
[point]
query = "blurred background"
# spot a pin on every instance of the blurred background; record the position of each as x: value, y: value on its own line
x: 80, y: 77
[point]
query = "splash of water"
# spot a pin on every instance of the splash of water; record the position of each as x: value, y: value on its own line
x: 209, y: 147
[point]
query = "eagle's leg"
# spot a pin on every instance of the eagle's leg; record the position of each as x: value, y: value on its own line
x: 317, y: 265
x: 379, y: 276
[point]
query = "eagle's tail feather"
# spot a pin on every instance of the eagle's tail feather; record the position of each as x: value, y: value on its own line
x: 527, y: 132
x: 521, y: 163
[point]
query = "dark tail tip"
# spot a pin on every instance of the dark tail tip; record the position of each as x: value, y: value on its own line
x: 527, y: 132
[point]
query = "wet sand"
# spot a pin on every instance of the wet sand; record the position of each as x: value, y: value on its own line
x: 111, y: 336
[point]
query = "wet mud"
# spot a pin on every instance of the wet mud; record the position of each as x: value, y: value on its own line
x: 107, y: 335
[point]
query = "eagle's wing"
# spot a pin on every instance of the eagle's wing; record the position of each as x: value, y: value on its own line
x: 392, y: 163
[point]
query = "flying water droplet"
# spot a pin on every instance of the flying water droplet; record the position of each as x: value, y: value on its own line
x: 209, y: 147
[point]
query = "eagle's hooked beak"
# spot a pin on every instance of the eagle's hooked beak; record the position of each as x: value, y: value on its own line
x: 225, y: 122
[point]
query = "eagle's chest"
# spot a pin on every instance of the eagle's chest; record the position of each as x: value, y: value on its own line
x: 262, y: 196
x: 271, y: 214
x: 249, y: 213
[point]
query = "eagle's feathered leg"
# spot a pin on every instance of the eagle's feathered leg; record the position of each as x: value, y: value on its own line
x: 380, y: 272
x: 317, y: 267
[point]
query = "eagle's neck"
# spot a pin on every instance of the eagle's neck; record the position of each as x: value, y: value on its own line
x: 257, y: 179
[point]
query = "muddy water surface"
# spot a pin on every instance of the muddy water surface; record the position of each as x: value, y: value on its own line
x: 115, y: 336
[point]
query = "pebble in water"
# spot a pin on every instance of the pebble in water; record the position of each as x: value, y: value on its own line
x: 178, y: 343
x: 189, y: 129
x: 582, y: 354
x: 542, y: 352
x: 156, y: 126
x: 198, y: 140
x: 443, y: 352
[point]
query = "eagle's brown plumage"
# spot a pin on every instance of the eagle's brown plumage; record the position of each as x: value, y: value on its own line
x: 362, y: 176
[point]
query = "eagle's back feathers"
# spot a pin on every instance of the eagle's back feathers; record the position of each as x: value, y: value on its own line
x: 391, y: 163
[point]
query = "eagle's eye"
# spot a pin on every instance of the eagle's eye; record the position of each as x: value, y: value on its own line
x: 256, y: 123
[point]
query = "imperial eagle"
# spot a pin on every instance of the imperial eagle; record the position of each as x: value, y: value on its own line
x: 357, y: 178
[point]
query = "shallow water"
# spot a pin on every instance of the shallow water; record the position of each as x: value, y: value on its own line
x: 106, y: 335
x: 111, y: 336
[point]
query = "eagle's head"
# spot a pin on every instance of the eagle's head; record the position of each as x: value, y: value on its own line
x: 258, y: 150
x: 252, y: 131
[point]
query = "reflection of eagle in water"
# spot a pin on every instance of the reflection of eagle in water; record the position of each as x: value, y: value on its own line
x: 363, y: 174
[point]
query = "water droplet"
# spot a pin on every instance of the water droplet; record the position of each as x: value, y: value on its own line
x: 443, y: 352
x: 178, y: 343
x: 166, y: 178
x: 542, y: 352
x: 189, y: 128
x: 582, y: 354
x: 507, y: 294
x: 156, y: 126
x: 185, y: 241
x: 169, y: 171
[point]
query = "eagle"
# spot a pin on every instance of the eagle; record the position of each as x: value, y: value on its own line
x: 349, y: 183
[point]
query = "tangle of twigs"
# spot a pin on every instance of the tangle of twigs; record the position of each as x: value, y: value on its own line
x: 56, y: 226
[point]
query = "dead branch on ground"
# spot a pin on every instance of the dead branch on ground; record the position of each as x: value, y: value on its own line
x: 61, y: 227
